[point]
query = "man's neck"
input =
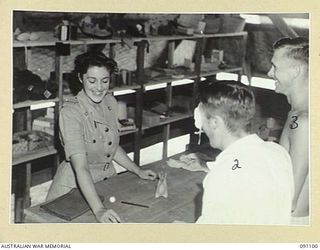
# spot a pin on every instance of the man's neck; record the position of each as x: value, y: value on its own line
x: 231, y: 138
x: 299, y: 97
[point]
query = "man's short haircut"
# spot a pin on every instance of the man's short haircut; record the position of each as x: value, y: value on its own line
x: 231, y: 100
x: 297, y: 48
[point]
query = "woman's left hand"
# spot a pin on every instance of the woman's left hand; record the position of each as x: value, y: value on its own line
x: 147, y: 174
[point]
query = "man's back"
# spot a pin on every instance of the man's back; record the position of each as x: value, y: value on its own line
x: 257, y: 191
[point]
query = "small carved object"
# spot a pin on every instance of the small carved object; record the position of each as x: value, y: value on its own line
x: 162, y: 188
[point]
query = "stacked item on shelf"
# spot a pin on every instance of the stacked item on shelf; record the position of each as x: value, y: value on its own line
x: 29, y: 86
x: 156, y: 113
x: 226, y: 23
x: 181, y: 104
x: 159, y: 112
x: 126, y: 124
x: 45, y: 123
x: 150, y: 118
x: 29, y: 141
x: 163, y: 74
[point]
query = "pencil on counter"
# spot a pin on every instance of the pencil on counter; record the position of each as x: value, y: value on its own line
x: 134, y: 204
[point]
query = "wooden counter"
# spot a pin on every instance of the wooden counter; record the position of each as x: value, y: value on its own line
x: 183, y: 202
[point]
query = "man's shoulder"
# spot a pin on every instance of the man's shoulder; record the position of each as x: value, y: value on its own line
x: 258, y: 148
x: 270, y: 150
x: 301, y: 116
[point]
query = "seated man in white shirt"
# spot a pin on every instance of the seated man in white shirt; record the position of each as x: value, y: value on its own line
x: 251, y: 181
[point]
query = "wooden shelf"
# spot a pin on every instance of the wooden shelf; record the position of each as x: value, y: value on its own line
x: 216, y: 71
x: 217, y: 35
x: 167, y: 79
x: 18, y: 159
x: 175, y: 118
x: 47, y: 39
x: 125, y: 87
x: 29, y: 103
x: 128, y: 132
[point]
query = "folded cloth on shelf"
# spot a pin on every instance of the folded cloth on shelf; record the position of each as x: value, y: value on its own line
x: 68, y: 206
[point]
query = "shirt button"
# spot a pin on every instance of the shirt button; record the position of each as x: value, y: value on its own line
x: 106, y: 130
x: 94, y: 141
x: 108, y: 155
x: 110, y: 143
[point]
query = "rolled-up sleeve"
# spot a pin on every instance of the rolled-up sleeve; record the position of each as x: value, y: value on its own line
x: 71, y: 132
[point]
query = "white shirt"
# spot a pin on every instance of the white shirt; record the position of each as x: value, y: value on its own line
x: 257, y: 192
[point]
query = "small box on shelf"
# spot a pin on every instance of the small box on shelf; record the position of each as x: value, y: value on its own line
x: 44, y: 124
x: 150, y: 118
x: 50, y: 113
x: 181, y: 103
x: 127, y: 125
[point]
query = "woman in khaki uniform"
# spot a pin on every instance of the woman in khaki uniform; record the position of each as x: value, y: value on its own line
x: 89, y: 133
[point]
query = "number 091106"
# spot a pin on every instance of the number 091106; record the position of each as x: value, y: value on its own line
x: 309, y: 245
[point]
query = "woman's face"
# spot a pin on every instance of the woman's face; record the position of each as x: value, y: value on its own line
x: 96, y: 83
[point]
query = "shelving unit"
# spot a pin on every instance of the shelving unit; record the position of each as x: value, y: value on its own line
x: 173, y: 118
x: 139, y: 87
x: 195, y: 76
x: 34, y: 155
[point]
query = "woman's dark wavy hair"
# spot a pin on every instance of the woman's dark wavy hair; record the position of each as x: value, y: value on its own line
x: 86, y: 60
x: 231, y: 100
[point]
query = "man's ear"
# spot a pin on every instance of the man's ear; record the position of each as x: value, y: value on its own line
x: 79, y: 77
x: 216, y: 122
x: 213, y: 122
x: 297, y: 70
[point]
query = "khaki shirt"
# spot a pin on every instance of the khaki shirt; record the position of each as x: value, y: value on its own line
x: 91, y: 129
x: 84, y: 129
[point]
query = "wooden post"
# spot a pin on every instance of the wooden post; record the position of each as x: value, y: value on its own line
x: 139, y: 100
x: 166, y: 128
x: 112, y: 52
x: 197, y: 80
x: 197, y: 69
x: 26, y: 191
x: 171, y: 47
x: 281, y: 25
x: 59, y: 78
x: 244, y: 63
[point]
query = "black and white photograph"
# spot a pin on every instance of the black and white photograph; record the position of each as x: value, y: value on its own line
x: 186, y: 118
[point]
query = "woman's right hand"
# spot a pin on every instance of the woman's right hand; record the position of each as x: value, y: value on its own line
x: 104, y: 215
